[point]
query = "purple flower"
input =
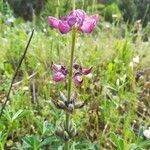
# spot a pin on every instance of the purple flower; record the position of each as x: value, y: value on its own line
x: 76, y: 66
x: 56, y: 67
x: 59, y: 76
x: 86, y: 71
x: 78, y: 79
x: 79, y: 73
x: 53, y: 22
x: 60, y: 72
x: 76, y: 18
x: 79, y: 16
x: 64, y: 27
x: 89, y: 24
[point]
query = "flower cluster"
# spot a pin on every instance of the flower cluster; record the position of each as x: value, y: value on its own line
x: 60, y: 73
x: 77, y: 19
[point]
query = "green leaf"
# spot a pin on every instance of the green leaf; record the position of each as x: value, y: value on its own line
x: 47, y: 141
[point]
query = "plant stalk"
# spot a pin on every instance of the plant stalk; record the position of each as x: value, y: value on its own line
x: 16, y: 72
x: 70, y: 80
x: 74, y: 4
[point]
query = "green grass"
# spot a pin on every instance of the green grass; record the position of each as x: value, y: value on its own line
x: 111, y: 118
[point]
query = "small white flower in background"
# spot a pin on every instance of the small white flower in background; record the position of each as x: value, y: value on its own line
x: 44, y: 30
x: 10, y: 20
x: 146, y: 133
x: 134, y: 62
x: 136, y: 59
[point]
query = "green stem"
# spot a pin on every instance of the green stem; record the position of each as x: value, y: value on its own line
x: 16, y: 73
x: 70, y: 81
x: 74, y: 4
x: 57, y: 8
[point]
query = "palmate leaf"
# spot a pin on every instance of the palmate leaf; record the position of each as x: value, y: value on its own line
x: 43, y: 127
x: 46, y: 141
x: 7, y: 115
x: 17, y: 115
x: 11, y: 116
x: 32, y: 142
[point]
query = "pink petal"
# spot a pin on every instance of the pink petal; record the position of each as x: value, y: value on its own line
x: 53, y: 22
x: 64, y: 27
x: 56, y: 67
x: 79, y: 15
x: 71, y: 20
x: 78, y: 79
x: 58, y: 77
x: 95, y: 17
x: 89, y: 24
x: 86, y: 71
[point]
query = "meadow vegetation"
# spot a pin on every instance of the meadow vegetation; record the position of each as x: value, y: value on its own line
x: 117, y: 93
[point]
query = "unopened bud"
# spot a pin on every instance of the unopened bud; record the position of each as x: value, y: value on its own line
x: 63, y: 97
x: 59, y: 104
x: 59, y: 132
x: 72, y: 132
x: 79, y: 105
x: 70, y: 108
x: 65, y: 136
x: 70, y: 125
x: 63, y: 125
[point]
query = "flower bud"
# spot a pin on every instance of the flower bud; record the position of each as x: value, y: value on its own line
x: 72, y: 132
x: 79, y: 105
x: 59, y: 104
x: 63, y: 125
x: 65, y: 136
x: 70, y: 125
x: 63, y: 97
x: 70, y: 108
x: 59, y: 132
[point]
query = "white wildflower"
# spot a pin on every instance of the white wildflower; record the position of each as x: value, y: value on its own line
x: 146, y: 133
x: 136, y: 59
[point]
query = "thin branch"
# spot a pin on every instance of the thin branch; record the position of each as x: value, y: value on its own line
x: 19, y: 82
x: 16, y: 72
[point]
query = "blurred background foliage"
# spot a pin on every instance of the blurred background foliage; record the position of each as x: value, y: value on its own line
x: 124, y: 10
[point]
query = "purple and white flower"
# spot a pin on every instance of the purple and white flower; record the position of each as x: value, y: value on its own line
x: 76, y: 18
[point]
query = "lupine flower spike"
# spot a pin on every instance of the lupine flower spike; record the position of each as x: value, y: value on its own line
x: 79, y: 21
x: 77, y: 18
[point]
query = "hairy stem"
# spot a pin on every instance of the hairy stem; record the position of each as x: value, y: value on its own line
x: 70, y: 80
x: 16, y: 72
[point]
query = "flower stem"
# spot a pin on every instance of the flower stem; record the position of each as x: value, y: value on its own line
x: 15, y: 74
x: 74, y: 4
x: 70, y: 81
